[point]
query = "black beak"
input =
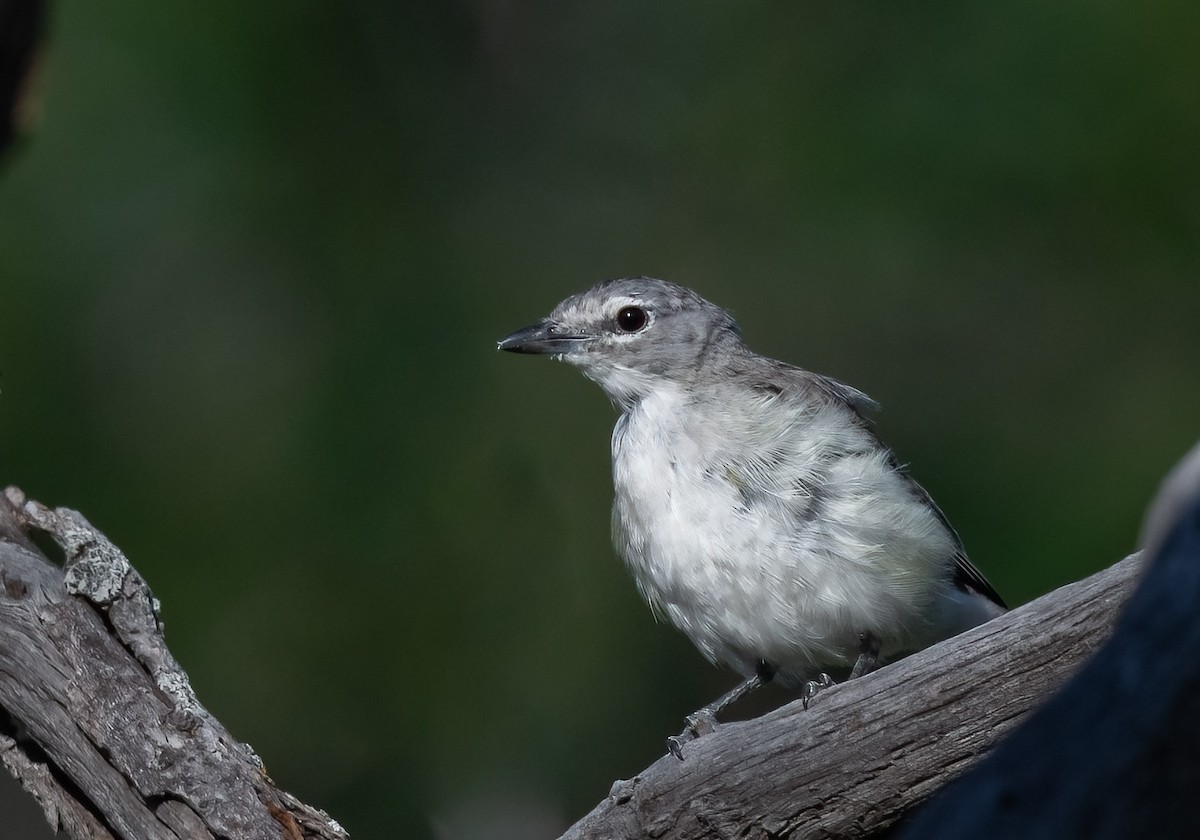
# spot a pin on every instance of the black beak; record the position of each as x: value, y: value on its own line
x: 547, y: 338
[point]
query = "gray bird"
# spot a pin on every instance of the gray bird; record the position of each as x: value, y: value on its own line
x: 755, y: 507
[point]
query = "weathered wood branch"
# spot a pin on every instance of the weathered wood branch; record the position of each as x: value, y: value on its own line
x: 98, y: 721
x: 867, y: 751
x: 1116, y: 753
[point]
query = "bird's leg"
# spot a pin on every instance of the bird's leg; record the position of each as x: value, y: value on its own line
x: 868, y: 656
x: 868, y: 661
x: 704, y: 720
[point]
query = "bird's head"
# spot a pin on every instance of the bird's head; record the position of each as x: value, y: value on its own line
x: 633, y: 336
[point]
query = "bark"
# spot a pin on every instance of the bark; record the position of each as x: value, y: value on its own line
x: 97, y: 720
x: 1117, y: 753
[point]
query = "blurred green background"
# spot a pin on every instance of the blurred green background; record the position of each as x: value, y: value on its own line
x: 255, y: 257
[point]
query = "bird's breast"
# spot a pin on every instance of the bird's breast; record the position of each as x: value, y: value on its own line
x: 698, y: 555
x: 780, y: 546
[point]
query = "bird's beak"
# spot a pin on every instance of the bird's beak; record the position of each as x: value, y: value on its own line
x: 547, y: 337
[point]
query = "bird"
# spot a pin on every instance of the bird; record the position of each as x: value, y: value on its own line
x: 754, y: 504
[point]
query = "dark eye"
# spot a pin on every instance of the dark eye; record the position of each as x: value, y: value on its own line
x: 631, y: 319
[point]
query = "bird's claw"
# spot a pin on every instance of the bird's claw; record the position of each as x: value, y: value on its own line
x: 812, y: 687
x: 699, y: 723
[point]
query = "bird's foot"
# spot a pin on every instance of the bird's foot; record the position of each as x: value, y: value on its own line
x: 868, y: 656
x: 704, y: 720
x: 813, y: 687
x: 699, y: 723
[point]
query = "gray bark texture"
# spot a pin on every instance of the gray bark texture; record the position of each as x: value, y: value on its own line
x: 1116, y: 754
x: 97, y: 720
x: 868, y: 750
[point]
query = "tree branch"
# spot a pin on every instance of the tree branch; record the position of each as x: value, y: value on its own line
x: 868, y: 750
x: 1116, y: 753
x: 98, y: 721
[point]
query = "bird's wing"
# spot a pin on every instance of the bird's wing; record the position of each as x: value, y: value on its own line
x: 784, y: 445
x: 780, y: 378
x: 784, y: 376
x: 863, y: 405
x: 966, y: 574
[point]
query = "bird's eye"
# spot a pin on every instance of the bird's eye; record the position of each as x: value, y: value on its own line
x: 631, y: 319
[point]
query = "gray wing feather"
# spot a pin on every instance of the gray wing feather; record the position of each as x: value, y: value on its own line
x: 966, y: 575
